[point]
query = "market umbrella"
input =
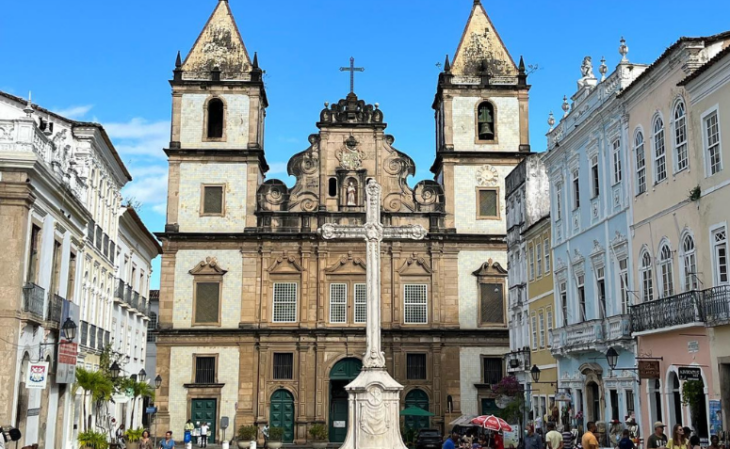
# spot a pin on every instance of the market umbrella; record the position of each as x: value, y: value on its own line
x: 491, y: 422
x: 415, y: 411
x: 463, y: 421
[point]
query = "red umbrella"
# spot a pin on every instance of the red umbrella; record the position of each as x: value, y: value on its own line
x: 491, y: 422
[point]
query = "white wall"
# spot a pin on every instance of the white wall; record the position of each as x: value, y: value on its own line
x: 469, y: 262
x: 507, y: 120
x: 193, y: 116
x: 465, y: 198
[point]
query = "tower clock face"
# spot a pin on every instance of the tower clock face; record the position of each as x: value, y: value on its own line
x: 487, y: 175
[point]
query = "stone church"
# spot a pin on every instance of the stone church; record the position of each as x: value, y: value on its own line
x: 263, y: 321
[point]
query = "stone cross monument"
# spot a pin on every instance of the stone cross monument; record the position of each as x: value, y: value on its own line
x: 374, y: 396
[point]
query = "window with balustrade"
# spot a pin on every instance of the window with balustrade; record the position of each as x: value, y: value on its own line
x: 689, y: 264
x: 647, y: 283
x: 666, y: 272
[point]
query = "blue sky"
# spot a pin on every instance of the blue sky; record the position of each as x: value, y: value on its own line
x: 110, y: 62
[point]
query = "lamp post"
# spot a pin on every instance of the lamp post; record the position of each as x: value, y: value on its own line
x: 115, y: 370
x: 158, y: 384
x: 142, y: 376
x: 612, y: 357
x: 68, y: 330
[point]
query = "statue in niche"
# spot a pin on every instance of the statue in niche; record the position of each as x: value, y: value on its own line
x: 351, y: 194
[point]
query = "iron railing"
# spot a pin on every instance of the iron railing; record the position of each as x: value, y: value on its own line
x: 135, y: 300
x: 717, y: 305
x: 92, y: 336
x: 33, y: 299
x: 128, y: 294
x: 105, y: 245
x: 84, y: 333
x: 100, y: 339
x: 119, y: 291
x: 55, y: 307
x: 99, y: 237
x: 709, y: 307
x: 112, y: 251
x: 90, y: 228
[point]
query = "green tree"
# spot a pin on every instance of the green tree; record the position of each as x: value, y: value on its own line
x: 138, y: 389
x: 98, y: 385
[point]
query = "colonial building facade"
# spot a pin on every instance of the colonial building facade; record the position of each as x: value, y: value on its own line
x: 261, y: 320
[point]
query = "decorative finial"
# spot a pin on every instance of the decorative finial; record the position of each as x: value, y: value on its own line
x: 521, y: 66
x: 447, y: 65
x: 566, y: 106
x: 255, y: 60
x: 29, y: 106
x: 326, y: 104
x: 178, y: 60
x: 522, y: 75
x: 377, y: 105
x: 477, y: 2
x: 623, y: 50
x: 603, y: 68
x: 551, y: 121
x: 178, y: 72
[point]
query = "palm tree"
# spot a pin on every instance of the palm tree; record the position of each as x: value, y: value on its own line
x: 138, y: 389
x: 98, y: 384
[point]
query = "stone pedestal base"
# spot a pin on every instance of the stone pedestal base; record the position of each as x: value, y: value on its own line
x: 374, y: 407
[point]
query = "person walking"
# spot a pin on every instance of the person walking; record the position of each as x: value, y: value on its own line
x: 532, y: 440
x: 553, y: 439
x: 168, y: 442
x: 589, y: 440
x: 626, y: 442
x: 188, y: 431
x: 678, y: 440
x: 657, y: 440
x: 204, y: 434
x: 145, y: 442
x: 450, y: 442
x: 567, y: 437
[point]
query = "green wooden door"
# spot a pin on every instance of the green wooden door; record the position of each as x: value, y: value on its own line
x: 282, y: 413
x: 417, y: 398
x: 203, y: 410
x: 344, y: 372
x: 489, y: 407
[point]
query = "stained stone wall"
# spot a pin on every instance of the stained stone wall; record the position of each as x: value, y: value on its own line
x: 469, y: 262
x: 507, y: 119
x: 192, y: 178
x: 465, y: 198
x: 470, y: 362
x: 192, y: 126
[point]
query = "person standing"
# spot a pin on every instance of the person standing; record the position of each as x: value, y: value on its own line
x: 567, y: 437
x: 553, y: 439
x: 450, y: 443
x: 168, y: 442
x: 145, y: 442
x: 204, y: 434
x: 715, y: 443
x: 589, y: 440
x: 678, y: 440
x: 532, y: 440
x: 625, y: 442
x: 657, y: 440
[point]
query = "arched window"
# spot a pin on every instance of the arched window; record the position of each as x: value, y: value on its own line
x: 485, y: 121
x: 665, y: 270
x: 647, y: 283
x: 660, y: 156
x: 640, y: 162
x: 215, y: 118
x: 680, y: 136
x: 689, y: 262
x: 332, y: 187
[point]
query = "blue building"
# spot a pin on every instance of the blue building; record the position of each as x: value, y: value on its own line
x: 591, y: 199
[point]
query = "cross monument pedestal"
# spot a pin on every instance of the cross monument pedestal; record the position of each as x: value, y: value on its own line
x: 374, y: 396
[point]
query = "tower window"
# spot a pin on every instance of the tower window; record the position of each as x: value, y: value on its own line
x: 212, y: 200
x: 485, y: 121
x: 332, y: 187
x: 487, y: 203
x: 215, y: 118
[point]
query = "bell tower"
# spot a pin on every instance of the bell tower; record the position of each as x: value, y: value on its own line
x: 482, y: 131
x: 216, y: 151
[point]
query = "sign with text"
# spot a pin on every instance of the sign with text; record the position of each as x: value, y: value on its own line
x: 687, y: 373
x: 37, y: 375
x: 563, y: 396
x: 649, y: 369
x: 67, y: 350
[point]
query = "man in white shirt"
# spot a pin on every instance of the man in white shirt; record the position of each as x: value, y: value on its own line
x: 204, y: 434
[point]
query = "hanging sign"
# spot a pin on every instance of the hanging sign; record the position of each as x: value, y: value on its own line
x: 68, y: 351
x: 687, y: 373
x: 37, y: 375
x: 649, y: 369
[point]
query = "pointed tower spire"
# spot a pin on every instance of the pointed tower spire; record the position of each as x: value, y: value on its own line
x: 178, y: 72
x: 178, y: 61
x: 218, y: 45
x: 447, y: 65
x: 521, y: 74
x: 255, y: 60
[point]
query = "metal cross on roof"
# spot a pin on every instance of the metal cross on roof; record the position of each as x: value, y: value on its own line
x: 352, y: 69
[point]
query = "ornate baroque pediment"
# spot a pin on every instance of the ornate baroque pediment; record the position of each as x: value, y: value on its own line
x: 490, y: 268
x: 285, y: 264
x: 209, y: 266
x: 347, y: 265
x: 415, y: 265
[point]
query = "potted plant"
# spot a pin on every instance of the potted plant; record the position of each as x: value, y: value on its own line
x: 246, y: 434
x: 132, y: 438
x: 318, y: 432
x: 276, y: 435
x: 93, y: 440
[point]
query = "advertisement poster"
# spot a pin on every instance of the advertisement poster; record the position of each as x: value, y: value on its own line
x: 37, y: 375
x: 68, y: 350
x: 715, y: 417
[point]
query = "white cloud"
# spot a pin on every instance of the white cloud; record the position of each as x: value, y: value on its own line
x: 149, y: 187
x: 277, y: 168
x: 160, y: 208
x: 74, y: 112
x: 138, y: 128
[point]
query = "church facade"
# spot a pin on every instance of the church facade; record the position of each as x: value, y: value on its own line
x: 263, y: 321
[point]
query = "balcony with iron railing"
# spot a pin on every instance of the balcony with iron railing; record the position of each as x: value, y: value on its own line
x: 84, y: 333
x: 92, y: 336
x: 90, y: 229
x: 716, y: 302
x: 99, y: 239
x: 100, y: 339
x: 33, y: 300
x: 119, y: 291
x: 708, y: 307
x: 591, y: 335
x: 55, y: 308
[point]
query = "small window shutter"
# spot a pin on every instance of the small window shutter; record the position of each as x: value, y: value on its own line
x: 492, y: 303
x: 206, y: 302
x: 487, y: 203
x: 213, y: 200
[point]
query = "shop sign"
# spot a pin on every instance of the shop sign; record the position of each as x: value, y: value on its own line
x: 649, y: 369
x: 687, y: 373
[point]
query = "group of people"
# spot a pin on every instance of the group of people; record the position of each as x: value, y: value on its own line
x: 144, y: 443
x: 682, y: 438
x: 201, y: 433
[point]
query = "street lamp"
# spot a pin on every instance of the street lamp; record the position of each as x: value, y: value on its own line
x: 133, y: 377
x: 142, y: 376
x: 158, y: 382
x: 69, y: 330
x: 535, y: 373
x: 115, y: 370
x: 612, y: 357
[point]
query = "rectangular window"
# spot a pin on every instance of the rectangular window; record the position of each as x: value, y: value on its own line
x: 212, y: 200
x: 601, y: 287
x: 56, y: 269
x: 546, y: 246
x: 542, y: 329
x: 539, y: 258
x: 531, y: 257
x: 576, y: 190
x: 629, y: 402
x: 616, y: 161
x: 71, y: 288
x: 492, y: 303
x: 207, y: 301
x: 361, y: 311
x: 564, y: 301
x: 660, y: 156
x: 640, y: 165
x: 204, y: 370
x: 719, y: 239
x: 549, y: 326
x: 582, y: 296
x: 416, y: 366
x: 488, y: 206
x: 285, y: 302
x: 492, y: 370
x: 712, y: 142
x: 558, y: 202
x: 623, y: 266
x: 283, y: 365
x: 680, y: 137
x: 338, y: 303
x: 647, y: 284
x: 614, y: 404
x: 34, y: 254
x: 415, y: 299
x: 534, y: 332
x: 595, y: 181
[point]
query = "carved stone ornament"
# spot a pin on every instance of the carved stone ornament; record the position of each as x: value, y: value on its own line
x: 350, y: 156
x: 346, y: 264
x: 285, y: 263
x: 349, y: 111
x: 209, y: 266
x: 416, y: 261
x: 374, y: 419
x: 487, y: 175
x: 490, y: 268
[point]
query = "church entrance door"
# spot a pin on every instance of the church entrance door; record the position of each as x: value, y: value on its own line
x: 282, y: 414
x: 203, y: 410
x: 344, y: 372
x: 417, y: 398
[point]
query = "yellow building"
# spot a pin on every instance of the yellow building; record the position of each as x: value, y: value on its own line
x: 541, y: 309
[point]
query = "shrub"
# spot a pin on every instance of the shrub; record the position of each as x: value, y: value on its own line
x: 91, y: 439
x: 276, y: 433
x: 247, y: 433
x: 134, y: 435
x: 318, y: 432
